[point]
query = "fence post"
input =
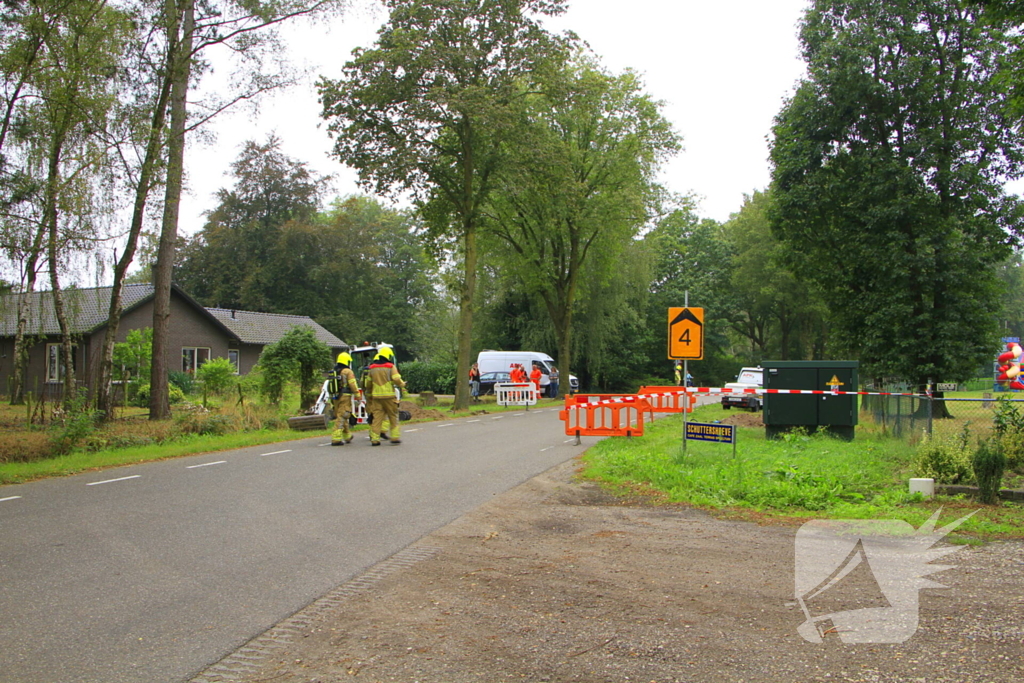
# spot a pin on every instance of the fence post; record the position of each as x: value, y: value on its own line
x: 931, y: 404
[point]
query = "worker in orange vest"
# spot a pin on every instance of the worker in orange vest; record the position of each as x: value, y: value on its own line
x: 535, y: 377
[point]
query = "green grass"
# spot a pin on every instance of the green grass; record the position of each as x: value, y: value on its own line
x: 797, y: 477
x: 79, y: 461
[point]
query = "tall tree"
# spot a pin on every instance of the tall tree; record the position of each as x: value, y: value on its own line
x: 230, y: 262
x: 429, y: 108
x: 781, y: 315
x: 60, y: 61
x: 578, y: 184
x: 691, y: 254
x: 190, y: 28
x: 888, y: 165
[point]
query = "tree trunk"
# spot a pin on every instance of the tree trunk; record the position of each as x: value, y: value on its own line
x: 159, y: 405
x: 20, y: 355
x: 465, y: 333
x: 51, y: 221
x: 105, y: 375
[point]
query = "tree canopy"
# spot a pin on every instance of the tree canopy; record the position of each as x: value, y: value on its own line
x: 888, y: 169
x: 428, y: 109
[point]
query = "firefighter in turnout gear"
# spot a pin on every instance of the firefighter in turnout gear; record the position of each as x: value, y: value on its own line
x: 343, y: 388
x: 381, y: 379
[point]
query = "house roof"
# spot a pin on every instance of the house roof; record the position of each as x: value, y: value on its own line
x: 87, y: 311
x: 266, y: 328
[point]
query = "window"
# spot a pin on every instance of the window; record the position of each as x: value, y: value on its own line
x: 233, y: 357
x: 193, y: 357
x: 55, y: 362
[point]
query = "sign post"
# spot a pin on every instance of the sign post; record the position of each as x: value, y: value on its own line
x: 685, y: 340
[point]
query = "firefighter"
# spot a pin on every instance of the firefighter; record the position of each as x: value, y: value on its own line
x: 343, y: 388
x: 381, y: 379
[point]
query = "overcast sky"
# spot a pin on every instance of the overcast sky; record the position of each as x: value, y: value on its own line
x: 721, y: 68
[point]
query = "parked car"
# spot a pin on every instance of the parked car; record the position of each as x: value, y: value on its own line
x: 498, y: 361
x: 489, y: 379
x: 749, y: 378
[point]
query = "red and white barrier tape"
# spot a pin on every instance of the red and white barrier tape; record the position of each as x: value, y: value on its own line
x: 632, y: 398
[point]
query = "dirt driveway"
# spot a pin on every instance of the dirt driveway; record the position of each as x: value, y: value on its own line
x: 558, y: 581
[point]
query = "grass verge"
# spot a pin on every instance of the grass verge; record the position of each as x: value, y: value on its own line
x: 788, y: 480
x: 190, y: 444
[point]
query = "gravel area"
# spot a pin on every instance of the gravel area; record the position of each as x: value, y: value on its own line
x: 557, y: 580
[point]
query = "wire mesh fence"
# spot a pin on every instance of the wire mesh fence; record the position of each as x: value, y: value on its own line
x: 912, y: 416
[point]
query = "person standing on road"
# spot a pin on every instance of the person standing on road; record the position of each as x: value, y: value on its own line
x: 381, y: 379
x: 679, y: 374
x: 343, y: 388
x: 553, y: 385
x: 545, y: 384
x: 474, y: 382
x: 535, y: 376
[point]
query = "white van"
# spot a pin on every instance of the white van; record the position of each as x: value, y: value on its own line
x: 502, y: 361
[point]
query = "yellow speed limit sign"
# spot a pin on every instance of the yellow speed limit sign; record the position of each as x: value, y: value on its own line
x: 686, y: 333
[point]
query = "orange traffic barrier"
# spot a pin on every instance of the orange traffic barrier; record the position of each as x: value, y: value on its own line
x: 604, y: 415
x: 669, y: 399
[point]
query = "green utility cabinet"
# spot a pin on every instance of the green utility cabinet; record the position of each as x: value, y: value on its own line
x: 835, y: 414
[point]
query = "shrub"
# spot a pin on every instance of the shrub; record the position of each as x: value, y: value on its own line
x: 78, y: 422
x: 184, y: 381
x: 1009, y: 429
x: 202, y: 422
x: 989, y: 464
x: 174, y: 395
x: 947, y: 461
x: 217, y: 375
x: 423, y: 376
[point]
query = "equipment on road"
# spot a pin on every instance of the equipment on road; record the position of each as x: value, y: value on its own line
x: 361, y: 357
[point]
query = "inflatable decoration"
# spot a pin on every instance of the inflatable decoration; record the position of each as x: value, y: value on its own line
x: 1009, y: 367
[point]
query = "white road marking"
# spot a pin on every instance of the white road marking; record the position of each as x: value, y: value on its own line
x: 206, y: 464
x: 411, y: 430
x: 546, y: 449
x: 450, y: 424
x: 275, y: 453
x: 498, y: 417
x: 9, y: 498
x: 472, y: 420
x: 568, y: 440
x: 109, y: 481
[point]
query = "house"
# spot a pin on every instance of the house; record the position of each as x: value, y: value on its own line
x: 197, y: 334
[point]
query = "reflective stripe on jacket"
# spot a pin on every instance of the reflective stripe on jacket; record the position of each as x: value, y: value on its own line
x: 381, y: 380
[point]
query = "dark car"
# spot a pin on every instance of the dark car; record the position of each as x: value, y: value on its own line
x: 489, y: 379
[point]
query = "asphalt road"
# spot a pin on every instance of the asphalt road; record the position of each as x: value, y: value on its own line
x: 150, y: 573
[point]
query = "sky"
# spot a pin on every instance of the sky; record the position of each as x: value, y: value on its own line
x: 722, y: 69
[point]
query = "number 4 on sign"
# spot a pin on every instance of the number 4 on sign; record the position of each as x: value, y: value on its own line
x: 686, y: 333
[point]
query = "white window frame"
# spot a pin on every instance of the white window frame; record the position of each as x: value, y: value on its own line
x: 55, y: 370
x: 195, y: 357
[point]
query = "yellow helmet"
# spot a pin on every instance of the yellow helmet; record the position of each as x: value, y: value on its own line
x: 386, y: 353
x: 344, y: 358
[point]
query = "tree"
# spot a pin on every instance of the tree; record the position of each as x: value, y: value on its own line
x: 579, y: 184
x: 231, y: 262
x: 299, y: 355
x: 428, y: 110
x: 781, y: 315
x: 691, y: 254
x: 189, y: 28
x: 60, y: 63
x: 888, y: 165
